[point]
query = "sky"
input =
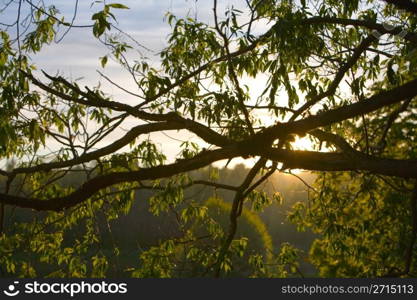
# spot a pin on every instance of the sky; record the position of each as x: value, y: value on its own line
x: 77, y: 54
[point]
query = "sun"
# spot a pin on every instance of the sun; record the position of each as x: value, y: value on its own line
x: 302, y: 143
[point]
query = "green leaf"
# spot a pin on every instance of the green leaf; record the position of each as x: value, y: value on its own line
x: 103, y: 61
x: 117, y: 5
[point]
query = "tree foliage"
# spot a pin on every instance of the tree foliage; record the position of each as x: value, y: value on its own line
x: 341, y: 73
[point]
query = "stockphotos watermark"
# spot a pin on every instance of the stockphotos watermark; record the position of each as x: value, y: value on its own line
x: 60, y: 288
x: 397, y: 31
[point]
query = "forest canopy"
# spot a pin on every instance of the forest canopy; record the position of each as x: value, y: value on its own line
x: 245, y: 83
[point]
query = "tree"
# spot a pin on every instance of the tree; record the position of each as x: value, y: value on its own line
x: 342, y: 73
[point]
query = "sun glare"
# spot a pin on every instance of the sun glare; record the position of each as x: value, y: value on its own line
x: 303, y: 143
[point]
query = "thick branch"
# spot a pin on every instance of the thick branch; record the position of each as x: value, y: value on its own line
x: 90, y: 187
x: 359, y: 108
x: 321, y: 161
x: 307, y: 160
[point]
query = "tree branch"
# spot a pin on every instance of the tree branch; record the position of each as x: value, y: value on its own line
x: 410, y: 36
x: 334, y: 139
x: 308, y: 160
x: 373, y: 103
x: 235, y: 213
x: 125, y: 140
x: 407, y: 5
x: 363, y: 46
